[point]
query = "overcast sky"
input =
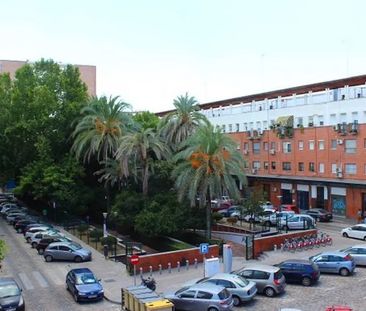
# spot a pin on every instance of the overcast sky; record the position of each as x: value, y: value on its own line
x: 149, y: 52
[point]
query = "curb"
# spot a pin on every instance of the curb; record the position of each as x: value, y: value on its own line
x: 112, y: 301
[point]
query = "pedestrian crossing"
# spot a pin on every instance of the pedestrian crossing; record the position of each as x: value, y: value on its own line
x: 32, y: 280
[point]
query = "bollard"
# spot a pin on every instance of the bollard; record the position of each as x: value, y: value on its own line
x: 275, y: 247
x: 195, y: 263
x: 178, y: 266
x: 141, y: 271
x: 187, y: 264
x: 169, y: 267
x: 160, y: 268
x: 281, y: 246
x: 150, y: 269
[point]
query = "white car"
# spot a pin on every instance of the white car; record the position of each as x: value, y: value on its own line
x: 356, y: 231
x: 33, y: 230
x: 38, y: 236
x: 272, y: 218
x: 298, y: 221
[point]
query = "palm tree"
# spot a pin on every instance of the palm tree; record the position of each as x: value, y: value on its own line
x: 180, y: 124
x: 207, y: 165
x: 141, y: 148
x: 97, y: 133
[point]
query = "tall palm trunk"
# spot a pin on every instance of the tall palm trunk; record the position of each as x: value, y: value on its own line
x: 145, y: 179
x: 208, y: 215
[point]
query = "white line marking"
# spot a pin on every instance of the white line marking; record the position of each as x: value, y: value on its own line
x: 26, y: 281
x: 40, y: 279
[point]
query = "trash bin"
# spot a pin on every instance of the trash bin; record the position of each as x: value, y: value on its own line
x: 161, y: 305
x: 138, y: 297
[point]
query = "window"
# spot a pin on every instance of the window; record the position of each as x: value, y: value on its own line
x: 311, y: 167
x: 245, y: 126
x: 203, y: 295
x: 311, y: 145
x: 351, y: 146
x: 230, y: 128
x: 333, y: 144
x: 248, y: 274
x: 273, y: 165
x: 223, y: 128
x: 265, y: 146
x: 334, y: 168
x: 273, y: 145
x: 310, y: 121
x: 237, y: 127
x: 286, y: 146
x: 321, y: 145
x: 261, y: 275
x: 350, y: 168
x: 63, y: 248
x: 301, y: 145
x: 225, y: 283
x: 188, y: 294
x: 321, y: 120
x: 300, y: 122
x: 256, y: 165
x: 256, y: 148
x: 321, y: 168
x: 333, y: 119
x: 246, y: 146
x: 301, y: 166
x: 286, y: 166
x: 265, y: 165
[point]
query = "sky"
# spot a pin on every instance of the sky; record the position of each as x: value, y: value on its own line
x: 150, y: 52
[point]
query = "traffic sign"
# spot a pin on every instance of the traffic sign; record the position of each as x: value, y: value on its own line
x: 204, y: 248
x: 134, y: 259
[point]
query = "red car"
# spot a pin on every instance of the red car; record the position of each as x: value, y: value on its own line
x: 338, y: 308
x: 289, y: 208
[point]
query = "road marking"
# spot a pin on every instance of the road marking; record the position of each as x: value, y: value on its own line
x: 54, y: 277
x: 26, y: 281
x: 40, y: 279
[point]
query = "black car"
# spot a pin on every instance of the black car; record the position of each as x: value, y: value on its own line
x: 42, y: 245
x: 11, y: 295
x: 319, y: 214
x: 300, y: 271
x: 21, y: 224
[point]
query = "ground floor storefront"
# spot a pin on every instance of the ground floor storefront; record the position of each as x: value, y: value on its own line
x: 342, y: 199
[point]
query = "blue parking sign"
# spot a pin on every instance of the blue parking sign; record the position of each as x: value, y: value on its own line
x: 204, y: 248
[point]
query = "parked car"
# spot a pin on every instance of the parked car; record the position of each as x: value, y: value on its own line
x: 335, y: 262
x: 228, y: 212
x: 268, y: 279
x: 38, y: 224
x: 83, y: 285
x: 66, y: 251
x: 241, y: 289
x: 358, y: 253
x: 338, y: 308
x: 11, y: 297
x: 298, y: 221
x: 38, y: 236
x: 288, y: 207
x: 21, y: 224
x: 356, y: 231
x: 12, y: 216
x: 319, y: 214
x: 42, y: 244
x: 275, y: 217
x: 261, y: 217
x: 305, y: 272
x: 201, y: 297
x: 268, y: 205
x: 33, y: 230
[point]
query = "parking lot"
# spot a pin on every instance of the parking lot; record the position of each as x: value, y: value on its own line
x: 44, y: 283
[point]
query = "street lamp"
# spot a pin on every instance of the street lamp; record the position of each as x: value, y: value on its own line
x: 105, y: 225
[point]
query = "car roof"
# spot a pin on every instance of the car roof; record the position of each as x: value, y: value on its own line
x: 214, y: 289
x: 301, y: 261
x: 357, y: 246
x: 8, y: 280
x: 224, y: 276
x: 64, y: 243
x: 81, y: 270
x: 359, y: 225
x: 262, y: 267
x: 333, y: 253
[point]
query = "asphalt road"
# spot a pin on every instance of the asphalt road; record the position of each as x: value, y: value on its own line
x: 43, y: 283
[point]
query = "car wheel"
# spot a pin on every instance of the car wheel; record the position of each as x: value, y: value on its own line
x: 306, y: 281
x: 269, y: 292
x: 78, y: 259
x: 212, y: 309
x: 28, y: 240
x: 344, y: 272
x: 345, y: 235
x: 34, y: 245
x: 48, y: 258
x: 236, y: 301
x: 40, y: 251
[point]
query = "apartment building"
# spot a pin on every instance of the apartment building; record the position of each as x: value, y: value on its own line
x: 87, y: 73
x: 304, y: 145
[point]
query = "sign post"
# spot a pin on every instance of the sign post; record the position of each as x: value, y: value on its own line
x: 204, y: 248
x: 134, y: 261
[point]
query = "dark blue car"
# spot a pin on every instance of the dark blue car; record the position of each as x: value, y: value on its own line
x: 300, y: 271
x: 10, y: 295
x: 83, y: 285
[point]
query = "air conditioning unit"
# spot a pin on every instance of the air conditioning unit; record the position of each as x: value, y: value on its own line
x: 339, y: 173
x: 260, y: 132
x: 254, y: 171
x: 272, y: 151
x: 339, y: 141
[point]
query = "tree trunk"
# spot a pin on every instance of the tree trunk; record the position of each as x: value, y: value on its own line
x: 145, y: 179
x: 208, y: 215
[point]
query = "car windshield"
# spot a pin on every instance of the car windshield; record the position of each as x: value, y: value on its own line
x: 86, y: 278
x: 75, y: 246
x: 241, y: 281
x: 9, y: 290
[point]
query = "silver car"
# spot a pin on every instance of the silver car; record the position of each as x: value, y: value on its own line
x: 202, y: 297
x: 298, y: 221
x: 358, y: 253
x: 66, y: 251
x: 268, y: 279
x: 335, y: 262
x: 241, y: 289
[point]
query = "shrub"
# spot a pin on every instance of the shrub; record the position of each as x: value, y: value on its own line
x: 232, y: 220
x: 109, y: 240
x: 83, y: 228
x: 217, y: 217
x: 96, y: 234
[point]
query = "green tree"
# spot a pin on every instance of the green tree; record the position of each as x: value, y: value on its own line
x: 177, y: 126
x: 208, y: 165
x: 103, y: 123
x: 252, y: 204
x: 3, y: 250
x: 147, y: 120
x: 141, y: 148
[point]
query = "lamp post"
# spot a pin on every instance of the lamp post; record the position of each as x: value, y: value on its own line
x: 105, y: 225
x: 279, y: 197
